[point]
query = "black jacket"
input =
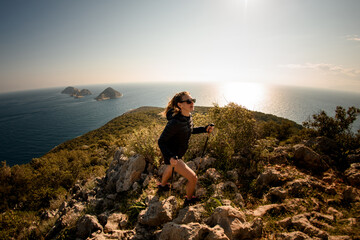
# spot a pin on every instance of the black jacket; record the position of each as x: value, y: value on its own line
x: 174, y: 140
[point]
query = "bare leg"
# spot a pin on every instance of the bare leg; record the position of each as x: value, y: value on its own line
x: 166, y: 175
x: 189, y: 174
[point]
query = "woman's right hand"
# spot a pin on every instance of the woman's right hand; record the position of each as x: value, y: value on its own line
x: 173, y: 162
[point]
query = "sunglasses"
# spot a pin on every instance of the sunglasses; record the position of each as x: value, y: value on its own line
x: 189, y: 101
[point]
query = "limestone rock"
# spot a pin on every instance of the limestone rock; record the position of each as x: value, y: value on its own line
x: 206, y: 162
x: 174, y: 231
x: 191, y: 231
x: 115, y: 221
x: 234, y: 224
x: 335, y: 212
x: 298, y: 187
x: 353, y: 174
x: 190, y: 214
x: 233, y: 175
x: 113, y: 173
x: 158, y: 213
x: 213, y: 175
x: 269, y: 209
x: 226, y: 188
x: 351, y: 194
x: 302, y: 223
x: 276, y: 194
x: 307, y: 158
x: 270, y: 177
x: 87, y: 225
x: 280, y: 155
x: 297, y: 235
x: 216, y: 233
x: 340, y: 238
x: 130, y: 172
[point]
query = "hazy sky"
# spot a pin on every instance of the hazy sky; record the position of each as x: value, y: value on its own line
x: 313, y: 43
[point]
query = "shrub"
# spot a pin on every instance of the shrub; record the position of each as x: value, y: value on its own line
x: 282, y: 131
x: 144, y: 141
x: 234, y: 132
x: 337, y: 128
x: 332, y: 127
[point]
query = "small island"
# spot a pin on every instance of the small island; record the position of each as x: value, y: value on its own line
x: 108, y: 93
x: 76, y: 93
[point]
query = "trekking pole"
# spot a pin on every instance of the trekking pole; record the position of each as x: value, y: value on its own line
x: 172, y: 178
x: 203, y: 152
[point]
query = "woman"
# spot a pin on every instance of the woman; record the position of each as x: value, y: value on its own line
x: 174, y: 141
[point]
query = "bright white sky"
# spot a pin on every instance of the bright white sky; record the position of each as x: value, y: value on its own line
x: 313, y: 43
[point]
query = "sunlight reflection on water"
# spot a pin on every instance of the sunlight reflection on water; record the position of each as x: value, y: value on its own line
x: 249, y: 95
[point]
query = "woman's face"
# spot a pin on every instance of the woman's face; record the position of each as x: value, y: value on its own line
x: 187, y: 103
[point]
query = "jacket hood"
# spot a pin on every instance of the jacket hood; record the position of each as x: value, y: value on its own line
x: 179, y: 116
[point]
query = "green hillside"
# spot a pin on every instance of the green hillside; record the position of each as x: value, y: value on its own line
x: 45, y: 183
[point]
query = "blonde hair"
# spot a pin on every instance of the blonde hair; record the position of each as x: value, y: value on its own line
x: 172, y: 104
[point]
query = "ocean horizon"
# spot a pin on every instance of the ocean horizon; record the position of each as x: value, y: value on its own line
x: 35, y: 121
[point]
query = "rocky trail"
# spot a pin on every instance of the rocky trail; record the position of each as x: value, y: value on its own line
x: 286, y: 201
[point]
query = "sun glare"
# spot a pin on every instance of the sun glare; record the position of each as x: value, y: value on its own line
x: 249, y: 95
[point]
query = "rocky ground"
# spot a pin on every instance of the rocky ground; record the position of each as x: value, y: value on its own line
x: 296, y: 196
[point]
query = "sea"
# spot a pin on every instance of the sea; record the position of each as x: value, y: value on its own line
x: 34, y: 122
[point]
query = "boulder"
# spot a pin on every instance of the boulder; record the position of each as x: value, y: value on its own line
x: 191, y: 231
x: 113, y: 173
x: 130, y: 172
x: 226, y: 188
x: 307, y: 158
x: 270, y: 177
x: 234, y: 224
x: 87, y: 225
x: 115, y: 221
x: 280, y: 155
x: 216, y: 233
x: 302, y: 223
x: 233, y: 175
x: 298, y: 187
x: 213, y: 175
x: 351, y: 194
x: 272, y: 209
x: 335, y: 212
x: 190, y: 214
x: 179, y: 185
x: 205, y: 163
x: 117, y: 234
x: 158, y: 213
x: 340, y: 238
x: 353, y: 175
x: 297, y: 235
x: 276, y: 194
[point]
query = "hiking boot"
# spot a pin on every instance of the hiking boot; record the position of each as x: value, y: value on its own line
x: 187, y: 202
x: 162, y: 188
x: 192, y: 201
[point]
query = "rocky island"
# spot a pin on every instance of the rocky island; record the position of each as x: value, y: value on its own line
x: 76, y: 93
x: 108, y: 93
